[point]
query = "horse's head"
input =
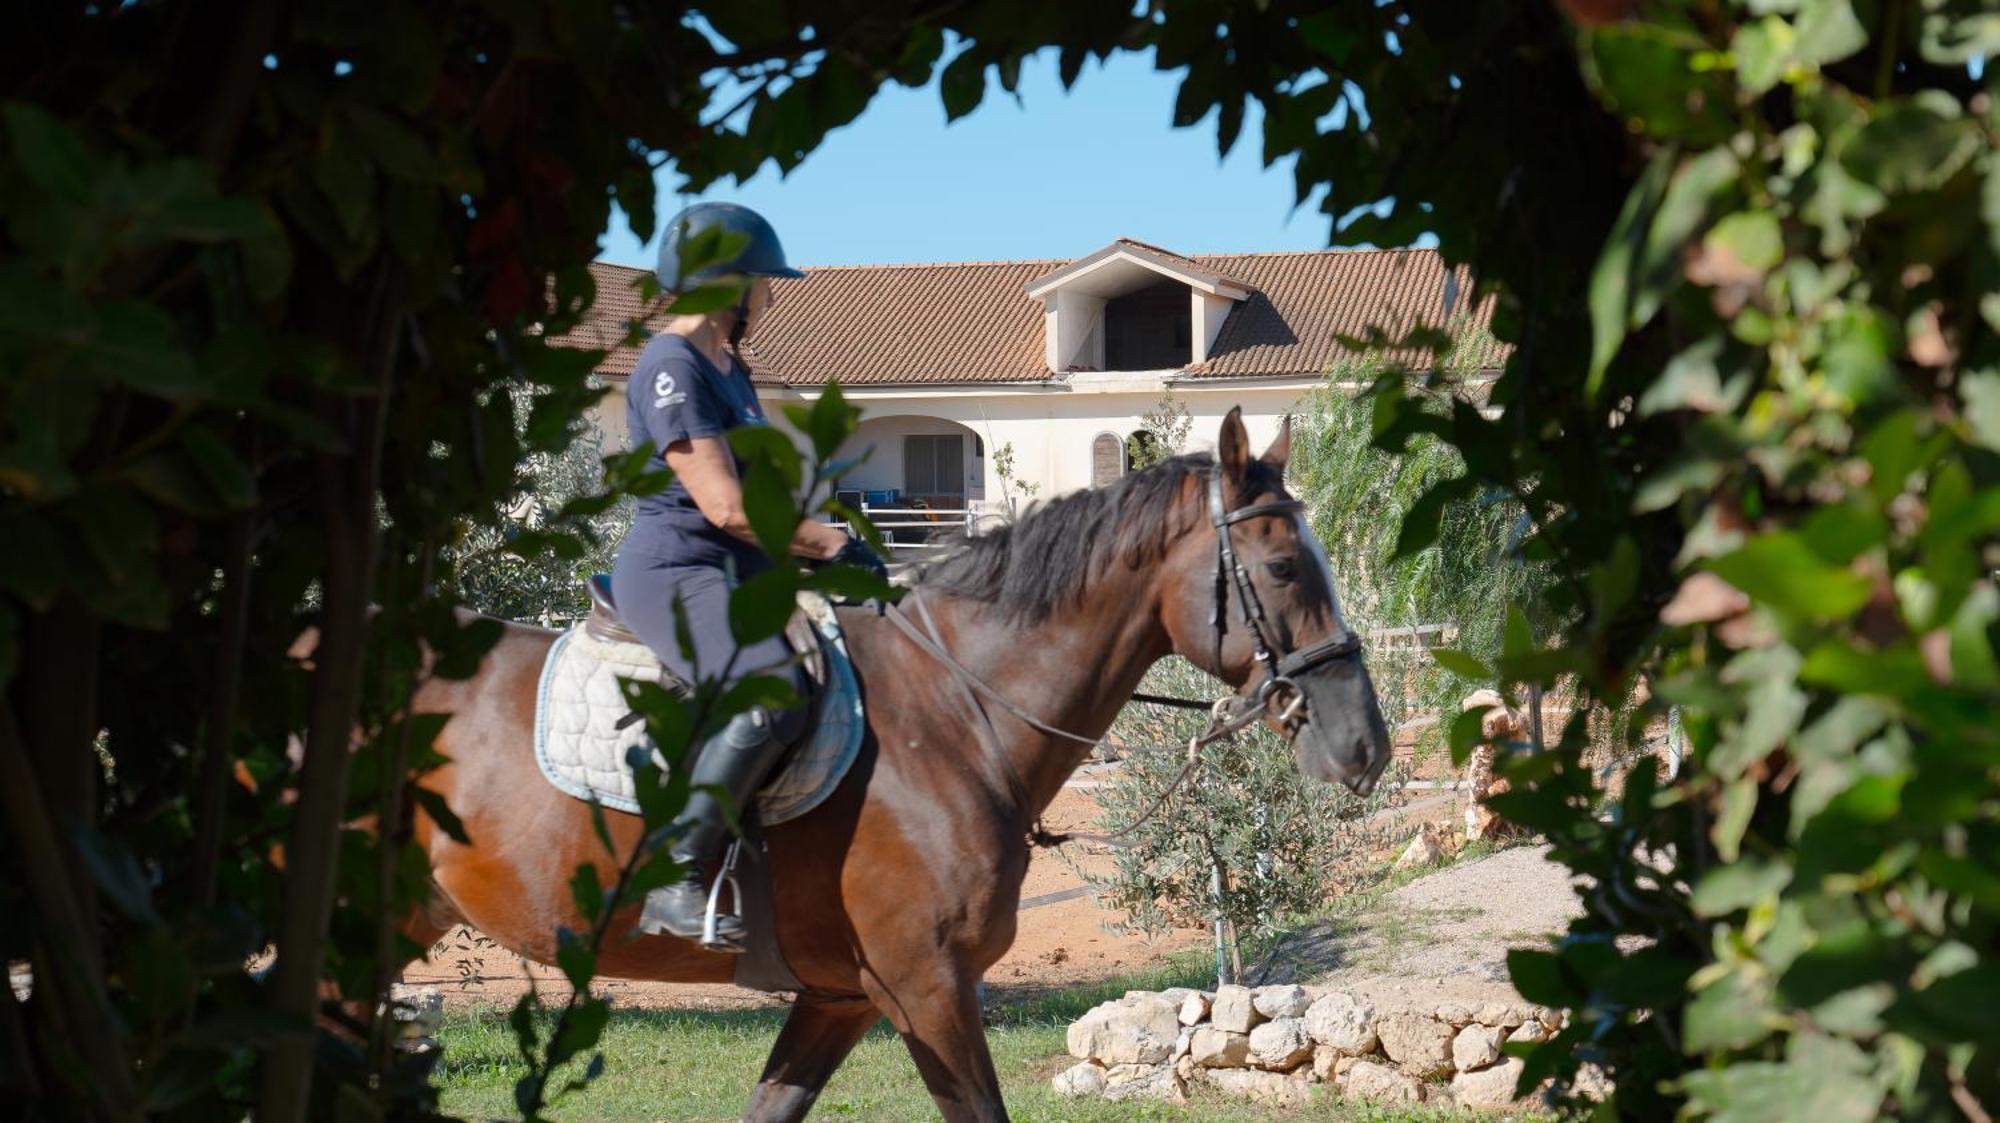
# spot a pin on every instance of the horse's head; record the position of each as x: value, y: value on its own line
x: 1256, y: 608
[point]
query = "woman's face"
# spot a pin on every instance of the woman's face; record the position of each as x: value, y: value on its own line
x: 760, y: 302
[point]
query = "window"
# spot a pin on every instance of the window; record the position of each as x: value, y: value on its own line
x: 1107, y: 459
x: 934, y: 465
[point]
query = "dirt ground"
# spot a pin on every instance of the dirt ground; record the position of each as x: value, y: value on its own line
x: 1442, y: 937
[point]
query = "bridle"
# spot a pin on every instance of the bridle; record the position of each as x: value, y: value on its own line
x: 1278, y: 686
x: 1224, y: 721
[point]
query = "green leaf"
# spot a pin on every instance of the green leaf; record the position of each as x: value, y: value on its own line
x: 1649, y: 75
x: 759, y: 609
x: 1611, y: 280
x: 1763, y: 49
x: 1467, y: 730
x: 1730, y: 1012
x: 1422, y: 520
x: 706, y: 298
x: 1828, y: 30
x: 769, y: 444
x: 392, y: 145
x: 118, y: 875
x: 587, y: 891
x: 1613, y: 582
x: 832, y: 422
x: 1781, y: 571
x: 1739, y: 803
x: 1739, y: 885
x: 767, y: 504
x: 1912, y: 144
x: 851, y: 583
x: 962, y: 85
x: 53, y: 156
x: 1860, y: 354
x: 1981, y: 393
x: 1822, y: 1080
x: 137, y: 345
x: 585, y: 1029
x: 440, y: 812
x: 1752, y: 238
x: 1540, y: 977
x: 1461, y: 663
x: 578, y: 962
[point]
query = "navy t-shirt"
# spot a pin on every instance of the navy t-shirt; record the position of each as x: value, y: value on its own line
x: 676, y: 394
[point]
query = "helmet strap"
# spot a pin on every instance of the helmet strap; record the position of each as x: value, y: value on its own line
x: 741, y: 326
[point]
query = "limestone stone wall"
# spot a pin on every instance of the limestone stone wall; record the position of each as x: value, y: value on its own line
x: 1285, y: 1045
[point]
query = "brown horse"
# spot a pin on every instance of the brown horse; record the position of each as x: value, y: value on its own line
x: 899, y: 892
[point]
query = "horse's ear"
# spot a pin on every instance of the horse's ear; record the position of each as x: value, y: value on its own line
x: 1281, y: 449
x: 1232, y: 448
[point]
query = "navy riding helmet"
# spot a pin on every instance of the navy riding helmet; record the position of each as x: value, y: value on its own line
x: 760, y: 256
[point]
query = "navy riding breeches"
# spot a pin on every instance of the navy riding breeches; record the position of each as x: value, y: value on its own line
x: 645, y: 588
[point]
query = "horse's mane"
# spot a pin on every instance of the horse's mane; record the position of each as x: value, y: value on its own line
x: 1046, y: 559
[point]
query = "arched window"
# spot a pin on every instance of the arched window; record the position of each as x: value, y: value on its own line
x: 1107, y: 459
x: 1142, y: 450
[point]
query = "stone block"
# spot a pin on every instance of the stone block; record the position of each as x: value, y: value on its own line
x: 1268, y: 1088
x: 1529, y: 1033
x: 1160, y: 1083
x: 1214, y: 1048
x: 1084, y: 1078
x: 1420, y: 1045
x: 1501, y: 1014
x: 1194, y: 1008
x: 1234, y: 1009
x: 1489, y: 1088
x: 1366, y: 1080
x: 1476, y: 1046
x: 1280, y: 1045
x: 1287, y: 1001
x: 1137, y: 1029
x: 1343, y: 1022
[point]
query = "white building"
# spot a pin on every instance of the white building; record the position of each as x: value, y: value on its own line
x: 1060, y: 360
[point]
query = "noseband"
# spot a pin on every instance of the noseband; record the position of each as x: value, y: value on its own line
x: 1278, y: 686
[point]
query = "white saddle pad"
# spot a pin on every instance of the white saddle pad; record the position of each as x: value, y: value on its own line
x: 582, y: 750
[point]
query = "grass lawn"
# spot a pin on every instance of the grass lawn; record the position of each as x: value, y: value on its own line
x: 700, y: 1065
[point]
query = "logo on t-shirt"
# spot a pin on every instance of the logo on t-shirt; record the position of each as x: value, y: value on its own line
x: 664, y: 394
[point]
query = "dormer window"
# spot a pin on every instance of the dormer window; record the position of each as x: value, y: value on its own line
x: 1132, y: 307
x: 1148, y: 329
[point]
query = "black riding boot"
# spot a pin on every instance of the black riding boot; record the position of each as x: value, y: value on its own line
x: 737, y: 759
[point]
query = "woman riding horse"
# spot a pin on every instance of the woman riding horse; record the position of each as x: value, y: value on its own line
x: 693, y: 543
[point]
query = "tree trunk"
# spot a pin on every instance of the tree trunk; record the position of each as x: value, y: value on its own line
x: 70, y: 978
x: 347, y: 487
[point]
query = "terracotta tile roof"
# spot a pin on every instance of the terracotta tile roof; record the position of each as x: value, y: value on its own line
x: 971, y: 322
x: 1304, y: 303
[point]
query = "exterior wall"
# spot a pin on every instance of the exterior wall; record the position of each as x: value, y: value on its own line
x: 1051, y: 428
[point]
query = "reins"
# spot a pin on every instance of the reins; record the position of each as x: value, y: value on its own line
x: 1222, y: 724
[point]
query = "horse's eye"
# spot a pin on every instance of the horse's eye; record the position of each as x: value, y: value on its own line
x: 1282, y: 569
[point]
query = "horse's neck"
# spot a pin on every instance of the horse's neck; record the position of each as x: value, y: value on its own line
x: 1073, y: 671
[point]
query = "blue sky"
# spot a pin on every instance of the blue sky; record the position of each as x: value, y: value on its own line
x: 1055, y: 176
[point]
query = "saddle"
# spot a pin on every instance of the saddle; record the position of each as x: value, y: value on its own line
x: 603, y: 624
x: 585, y: 738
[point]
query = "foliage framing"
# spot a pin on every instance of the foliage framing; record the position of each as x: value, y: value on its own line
x: 271, y: 277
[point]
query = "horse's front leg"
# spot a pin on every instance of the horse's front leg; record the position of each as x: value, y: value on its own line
x: 935, y: 1006
x: 816, y: 1038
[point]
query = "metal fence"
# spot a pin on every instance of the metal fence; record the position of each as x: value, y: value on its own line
x: 913, y: 532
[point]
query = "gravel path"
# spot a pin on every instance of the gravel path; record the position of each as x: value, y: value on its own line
x: 1443, y: 937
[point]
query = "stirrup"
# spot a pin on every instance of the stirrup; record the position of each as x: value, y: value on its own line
x: 711, y: 940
